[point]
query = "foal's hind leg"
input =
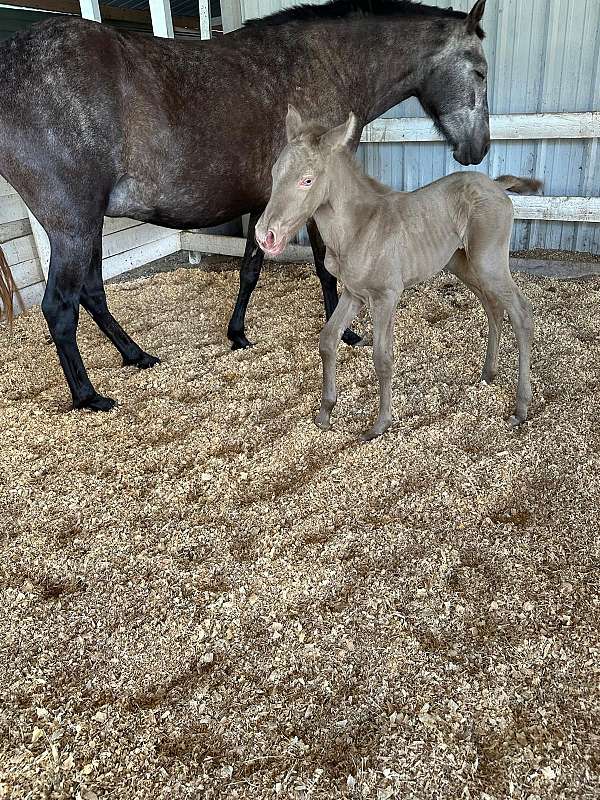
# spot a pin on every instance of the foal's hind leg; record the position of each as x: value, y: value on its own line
x: 70, y: 259
x: 249, y: 274
x: 495, y: 281
x: 328, y: 281
x: 521, y: 318
x: 346, y: 310
x: 460, y: 267
x: 93, y: 299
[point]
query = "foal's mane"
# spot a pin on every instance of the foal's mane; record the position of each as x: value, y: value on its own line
x: 339, y: 9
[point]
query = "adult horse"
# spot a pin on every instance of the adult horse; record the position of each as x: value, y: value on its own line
x: 96, y: 122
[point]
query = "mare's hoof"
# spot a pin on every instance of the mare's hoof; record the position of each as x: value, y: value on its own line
x: 97, y: 403
x: 145, y: 361
x: 241, y: 343
x: 351, y: 338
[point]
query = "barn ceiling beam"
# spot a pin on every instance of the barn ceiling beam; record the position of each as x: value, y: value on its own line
x: 162, y: 21
x: 106, y: 12
x: 90, y: 9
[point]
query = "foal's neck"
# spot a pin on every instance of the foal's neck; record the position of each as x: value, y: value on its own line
x: 350, y: 193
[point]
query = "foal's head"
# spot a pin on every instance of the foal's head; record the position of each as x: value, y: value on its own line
x: 300, y: 178
x: 453, y: 88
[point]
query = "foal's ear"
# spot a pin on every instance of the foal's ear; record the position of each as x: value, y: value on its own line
x: 475, y: 16
x: 293, y: 123
x: 343, y: 135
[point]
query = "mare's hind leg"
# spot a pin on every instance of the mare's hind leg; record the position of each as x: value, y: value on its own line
x: 344, y: 313
x: 249, y: 274
x: 70, y: 258
x: 328, y: 281
x: 460, y: 267
x: 93, y: 299
x: 383, y: 311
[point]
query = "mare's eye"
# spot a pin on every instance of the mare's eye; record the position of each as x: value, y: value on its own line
x: 480, y: 74
x: 306, y: 182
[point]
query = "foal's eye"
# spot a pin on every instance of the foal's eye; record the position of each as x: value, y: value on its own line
x: 306, y: 182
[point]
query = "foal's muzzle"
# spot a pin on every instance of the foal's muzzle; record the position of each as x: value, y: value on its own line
x: 268, y: 240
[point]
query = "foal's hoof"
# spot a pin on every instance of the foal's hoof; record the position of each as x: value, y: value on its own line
x: 97, y: 403
x: 516, y: 422
x: 351, y: 338
x: 241, y: 343
x: 322, y: 422
x: 374, y: 433
x: 145, y: 361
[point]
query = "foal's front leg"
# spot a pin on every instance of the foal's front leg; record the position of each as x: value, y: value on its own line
x: 346, y: 310
x: 328, y: 281
x: 383, y: 309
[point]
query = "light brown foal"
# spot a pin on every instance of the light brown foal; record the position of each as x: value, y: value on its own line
x: 380, y: 242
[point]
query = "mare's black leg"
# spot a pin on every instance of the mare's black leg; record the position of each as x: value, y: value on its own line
x: 249, y: 274
x: 328, y: 282
x: 93, y: 299
x: 69, y: 263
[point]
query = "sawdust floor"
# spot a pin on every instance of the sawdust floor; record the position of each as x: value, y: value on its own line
x: 203, y: 596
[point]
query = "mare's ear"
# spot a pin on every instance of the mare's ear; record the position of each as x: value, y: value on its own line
x: 475, y: 16
x: 293, y: 123
x: 343, y: 135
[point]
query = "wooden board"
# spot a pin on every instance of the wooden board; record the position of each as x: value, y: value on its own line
x: 27, y: 273
x: 12, y: 208
x: 14, y: 230
x: 137, y: 257
x: 572, y: 209
x: 130, y: 238
x: 235, y: 245
x: 505, y: 126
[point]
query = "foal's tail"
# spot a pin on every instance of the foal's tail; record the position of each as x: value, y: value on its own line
x: 520, y: 185
x: 8, y: 288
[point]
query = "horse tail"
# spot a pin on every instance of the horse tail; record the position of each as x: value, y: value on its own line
x: 520, y: 185
x: 8, y: 289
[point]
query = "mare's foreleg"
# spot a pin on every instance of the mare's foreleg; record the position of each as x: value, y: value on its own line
x: 327, y: 280
x: 346, y: 310
x: 93, y: 299
x: 249, y: 274
x: 383, y: 309
x: 69, y: 262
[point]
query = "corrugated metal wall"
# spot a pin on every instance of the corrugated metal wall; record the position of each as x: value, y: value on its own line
x: 544, y: 55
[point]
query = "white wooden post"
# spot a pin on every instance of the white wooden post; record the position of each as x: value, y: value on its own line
x: 231, y: 15
x: 90, y: 10
x: 162, y: 21
x: 42, y: 243
x: 204, y: 9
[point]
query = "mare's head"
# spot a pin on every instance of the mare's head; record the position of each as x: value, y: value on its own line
x: 453, y: 88
x: 300, y: 178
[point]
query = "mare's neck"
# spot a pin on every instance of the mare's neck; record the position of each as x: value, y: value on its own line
x: 367, y: 65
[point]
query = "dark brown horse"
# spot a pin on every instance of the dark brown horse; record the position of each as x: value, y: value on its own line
x: 96, y: 122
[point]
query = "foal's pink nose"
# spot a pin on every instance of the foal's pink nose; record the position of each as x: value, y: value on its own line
x: 270, y: 239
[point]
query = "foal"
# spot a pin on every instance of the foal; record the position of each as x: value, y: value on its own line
x: 380, y: 242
